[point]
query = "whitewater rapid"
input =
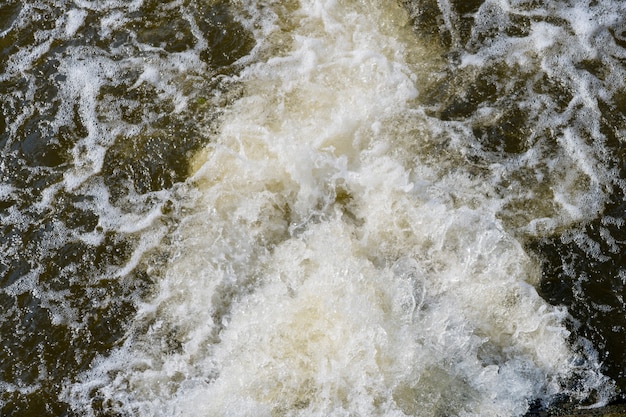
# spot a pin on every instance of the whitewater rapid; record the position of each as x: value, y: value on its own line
x: 311, y: 208
x: 336, y: 255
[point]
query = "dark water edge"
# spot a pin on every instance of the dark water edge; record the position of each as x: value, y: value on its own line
x: 63, y: 302
x: 591, y: 286
x: 583, y: 267
x: 613, y: 410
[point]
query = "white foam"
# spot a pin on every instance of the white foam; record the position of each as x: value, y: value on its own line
x: 325, y: 269
x: 108, y: 5
x: 6, y: 190
x: 75, y: 19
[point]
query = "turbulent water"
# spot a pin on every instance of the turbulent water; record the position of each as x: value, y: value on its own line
x: 311, y: 208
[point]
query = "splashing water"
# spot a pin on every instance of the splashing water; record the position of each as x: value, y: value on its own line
x: 305, y: 208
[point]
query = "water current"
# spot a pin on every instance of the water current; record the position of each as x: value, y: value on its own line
x: 311, y: 208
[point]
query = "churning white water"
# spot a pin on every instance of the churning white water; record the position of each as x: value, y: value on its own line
x: 337, y: 254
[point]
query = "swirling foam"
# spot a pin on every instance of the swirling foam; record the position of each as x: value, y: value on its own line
x: 337, y: 259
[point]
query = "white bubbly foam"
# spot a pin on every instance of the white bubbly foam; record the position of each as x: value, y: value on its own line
x: 325, y: 269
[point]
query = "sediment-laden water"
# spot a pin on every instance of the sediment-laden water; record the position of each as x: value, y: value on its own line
x: 314, y: 208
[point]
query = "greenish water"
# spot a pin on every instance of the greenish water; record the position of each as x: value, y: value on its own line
x: 105, y: 105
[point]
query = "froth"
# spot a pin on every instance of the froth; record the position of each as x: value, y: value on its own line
x: 324, y: 269
x: 329, y: 332
x: 75, y: 19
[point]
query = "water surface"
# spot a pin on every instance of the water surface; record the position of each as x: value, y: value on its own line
x: 311, y: 208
